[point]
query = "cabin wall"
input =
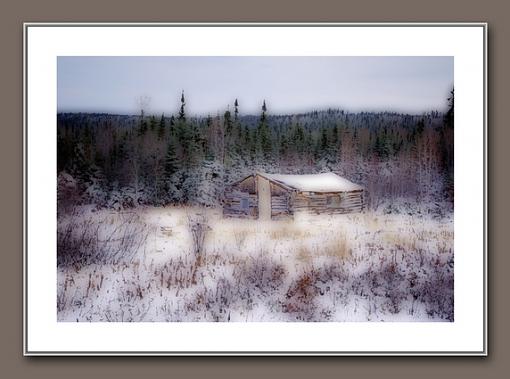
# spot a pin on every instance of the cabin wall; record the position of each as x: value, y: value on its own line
x: 280, y: 207
x: 247, y: 185
x: 245, y: 198
x: 233, y: 204
x: 280, y: 202
x: 329, y: 203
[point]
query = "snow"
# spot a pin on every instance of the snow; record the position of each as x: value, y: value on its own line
x: 326, y: 182
x: 357, y: 267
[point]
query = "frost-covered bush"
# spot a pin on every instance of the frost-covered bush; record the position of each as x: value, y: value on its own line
x: 83, y: 238
x: 95, y: 194
x: 68, y: 192
x: 261, y: 274
x: 125, y: 198
x: 194, y: 268
x: 198, y: 227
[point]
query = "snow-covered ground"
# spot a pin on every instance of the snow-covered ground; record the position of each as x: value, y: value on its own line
x: 139, y: 265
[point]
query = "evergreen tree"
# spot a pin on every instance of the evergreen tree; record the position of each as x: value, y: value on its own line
x: 447, y: 148
x: 82, y: 167
x: 185, y: 135
x: 420, y: 127
x: 284, y: 146
x: 142, y: 129
x: 170, y: 174
x: 264, y: 134
x: 231, y: 140
x: 171, y: 128
x: 182, y: 112
x: 171, y: 161
x: 298, y: 138
x: 449, y: 116
x: 227, y: 122
x: 380, y: 147
x: 162, y: 127
x: 153, y: 123
x: 209, y: 182
x: 324, y: 143
x: 236, y: 111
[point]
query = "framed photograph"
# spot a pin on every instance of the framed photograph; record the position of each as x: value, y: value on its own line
x: 255, y: 189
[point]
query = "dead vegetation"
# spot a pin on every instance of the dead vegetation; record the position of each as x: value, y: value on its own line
x: 348, y: 268
x: 83, y: 239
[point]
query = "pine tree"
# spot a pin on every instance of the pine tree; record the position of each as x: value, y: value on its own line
x: 171, y: 161
x: 420, y: 127
x: 227, y: 122
x: 335, y: 138
x: 381, y: 147
x: 182, y: 112
x: 170, y: 174
x: 324, y: 141
x: 184, y: 134
x: 297, y: 142
x: 82, y: 167
x: 236, y: 111
x: 449, y: 116
x: 447, y: 147
x: 284, y: 146
x: 264, y: 134
x: 142, y: 129
x: 208, y: 183
x: 228, y: 139
x: 162, y: 127
x: 153, y: 123
x: 171, y: 128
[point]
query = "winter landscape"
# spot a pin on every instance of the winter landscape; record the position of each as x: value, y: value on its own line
x: 142, y: 233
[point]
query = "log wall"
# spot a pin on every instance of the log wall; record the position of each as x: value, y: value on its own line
x: 248, y: 185
x: 285, y: 203
x: 280, y: 206
x: 232, y: 205
x: 348, y: 202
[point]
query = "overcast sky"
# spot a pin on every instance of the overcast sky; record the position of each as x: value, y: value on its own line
x: 288, y: 84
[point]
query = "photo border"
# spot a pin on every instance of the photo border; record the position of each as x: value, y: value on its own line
x: 27, y: 352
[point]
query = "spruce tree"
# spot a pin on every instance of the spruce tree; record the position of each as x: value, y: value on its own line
x: 264, y: 134
x: 162, y: 127
x: 447, y: 148
x: 170, y: 174
x: 172, y: 122
x: 449, y: 116
x: 142, y: 129
x: 153, y: 123
x: 184, y: 135
x: 182, y: 112
x: 227, y: 122
x: 171, y: 161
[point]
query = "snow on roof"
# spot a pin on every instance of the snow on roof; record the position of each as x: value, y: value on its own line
x: 327, y: 182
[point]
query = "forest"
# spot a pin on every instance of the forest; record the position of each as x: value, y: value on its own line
x: 123, y: 161
x: 140, y: 236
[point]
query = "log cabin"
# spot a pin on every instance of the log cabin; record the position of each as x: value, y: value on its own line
x: 273, y: 196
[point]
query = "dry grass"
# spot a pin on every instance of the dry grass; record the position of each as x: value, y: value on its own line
x: 337, y: 247
x: 287, y: 230
x: 402, y: 241
x: 240, y: 237
x: 304, y: 254
x: 341, y: 268
x: 84, y: 239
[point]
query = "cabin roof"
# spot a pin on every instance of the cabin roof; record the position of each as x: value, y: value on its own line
x: 326, y: 182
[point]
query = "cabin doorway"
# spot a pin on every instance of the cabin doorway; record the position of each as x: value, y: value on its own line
x: 264, y: 198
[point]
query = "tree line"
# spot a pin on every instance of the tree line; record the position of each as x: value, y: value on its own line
x: 123, y: 161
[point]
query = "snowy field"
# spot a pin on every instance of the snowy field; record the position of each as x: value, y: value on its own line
x: 145, y: 265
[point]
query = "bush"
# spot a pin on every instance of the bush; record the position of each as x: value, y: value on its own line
x: 86, y: 239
